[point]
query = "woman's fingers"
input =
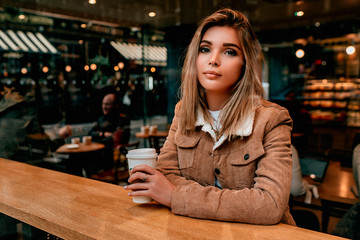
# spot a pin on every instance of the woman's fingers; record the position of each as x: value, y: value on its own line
x: 143, y: 168
x: 154, y: 184
x: 138, y: 186
x: 139, y: 175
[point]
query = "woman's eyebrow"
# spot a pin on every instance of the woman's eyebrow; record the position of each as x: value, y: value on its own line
x: 231, y: 45
x: 205, y: 41
x: 225, y: 44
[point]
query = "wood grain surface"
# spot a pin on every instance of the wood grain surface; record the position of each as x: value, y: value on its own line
x: 73, y: 207
x: 81, y: 149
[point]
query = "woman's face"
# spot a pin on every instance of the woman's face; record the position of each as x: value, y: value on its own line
x: 220, y: 59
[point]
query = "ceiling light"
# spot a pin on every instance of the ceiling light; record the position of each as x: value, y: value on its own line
x: 350, y: 50
x: 83, y: 25
x: 317, y: 24
x: 152, y: 14
x: 21, y: 16
x: 92, y: 1
x: 299, y: 13
x: 93, y: 66
x: 68, y: 68
x: 45, y: 69
x: 300, y: 53
x: 121, y: 65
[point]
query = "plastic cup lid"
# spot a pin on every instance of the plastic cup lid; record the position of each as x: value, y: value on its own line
x: 142, y: 153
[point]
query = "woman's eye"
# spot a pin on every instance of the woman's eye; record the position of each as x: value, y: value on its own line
x: 204, y: 49
x: 231, y: 52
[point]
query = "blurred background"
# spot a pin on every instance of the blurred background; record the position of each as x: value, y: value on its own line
x: 64, y: 55
x: 59, y: 58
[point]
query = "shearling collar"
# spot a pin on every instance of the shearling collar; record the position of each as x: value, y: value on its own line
x: 243, y: 131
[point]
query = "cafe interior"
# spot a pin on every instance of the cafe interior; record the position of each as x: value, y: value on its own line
x: 60, y: 58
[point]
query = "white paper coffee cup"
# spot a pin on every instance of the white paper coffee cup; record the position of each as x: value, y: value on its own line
x: 153, y: 129
x: 145, y: 129
x: 75, y: 140
x: 87, y: 140
x: 146, y: 156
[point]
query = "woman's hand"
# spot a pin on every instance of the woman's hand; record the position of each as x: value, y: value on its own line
x: 155, y: 184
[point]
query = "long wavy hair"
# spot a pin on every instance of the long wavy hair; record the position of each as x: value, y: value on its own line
x: 246, y: 92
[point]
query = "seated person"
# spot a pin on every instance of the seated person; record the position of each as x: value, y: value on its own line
x: 298, y: 184
x: 65, y: 131
x: 227, y: 156
x: 110, y: 122
x: 356, y: 169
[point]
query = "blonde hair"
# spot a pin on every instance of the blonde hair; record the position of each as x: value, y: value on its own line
x: 246, y: 92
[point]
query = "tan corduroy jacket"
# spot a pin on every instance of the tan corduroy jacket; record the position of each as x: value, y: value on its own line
x: 254, y: 169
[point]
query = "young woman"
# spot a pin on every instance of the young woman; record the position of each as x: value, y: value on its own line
x: 227, y: 156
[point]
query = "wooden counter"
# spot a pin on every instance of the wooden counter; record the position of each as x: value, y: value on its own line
x: 73, y: 207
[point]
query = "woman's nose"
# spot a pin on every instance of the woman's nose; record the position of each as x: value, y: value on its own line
x: 214, y: 60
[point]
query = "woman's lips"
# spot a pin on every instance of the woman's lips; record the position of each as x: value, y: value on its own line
x: 212, y: 74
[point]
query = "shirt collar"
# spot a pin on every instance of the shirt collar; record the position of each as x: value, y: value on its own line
x: 243, y: 130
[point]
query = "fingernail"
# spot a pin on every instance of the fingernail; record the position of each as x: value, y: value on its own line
x: 125, y: 187
x: 129, y: 194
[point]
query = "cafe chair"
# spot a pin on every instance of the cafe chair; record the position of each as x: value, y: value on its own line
x: 156, y: 142
x: 119, y: 172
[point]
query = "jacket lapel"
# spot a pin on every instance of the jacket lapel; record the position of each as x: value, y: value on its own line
x: 243, y: 130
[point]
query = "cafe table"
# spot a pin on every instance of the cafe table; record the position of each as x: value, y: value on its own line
x: 82, y: 157
x: 80, y: 148
x: 335, y: 195
x: 153, y: 138
x: 72, y: 207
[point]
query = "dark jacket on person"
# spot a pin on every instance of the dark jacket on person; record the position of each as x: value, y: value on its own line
x: 111, y: 122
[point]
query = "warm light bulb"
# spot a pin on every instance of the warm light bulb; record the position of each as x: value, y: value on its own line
x: 93, y: 66
x: 350, y: 50
x: 121, y: 65
x: 86, y: 67
x: 300, y: 53
x: 152, y: 69
x: 21, y: 16
x: 92, y: 1
x: 152, y: 14
x: 23, y: 70
x: 116, y: 68
x: 68, y: 68
x: 299, y: 13
x: 45, y: 69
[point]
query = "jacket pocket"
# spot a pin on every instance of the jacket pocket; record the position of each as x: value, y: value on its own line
x: 243, y: 163
x: 249, y: 153
x: 186, y: 146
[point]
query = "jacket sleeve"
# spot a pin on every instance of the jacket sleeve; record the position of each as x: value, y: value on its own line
x: 264, y: 203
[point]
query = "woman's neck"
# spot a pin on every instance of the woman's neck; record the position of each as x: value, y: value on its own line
x: 216, y: 101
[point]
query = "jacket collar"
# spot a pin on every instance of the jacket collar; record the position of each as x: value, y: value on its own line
x: 243, y: 130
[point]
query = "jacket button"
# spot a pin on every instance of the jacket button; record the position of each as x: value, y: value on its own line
x: 246, y: 156
x: 217, y: 171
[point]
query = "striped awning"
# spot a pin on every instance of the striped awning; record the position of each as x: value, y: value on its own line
x: 154, y: 55
x: 25, y: 42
